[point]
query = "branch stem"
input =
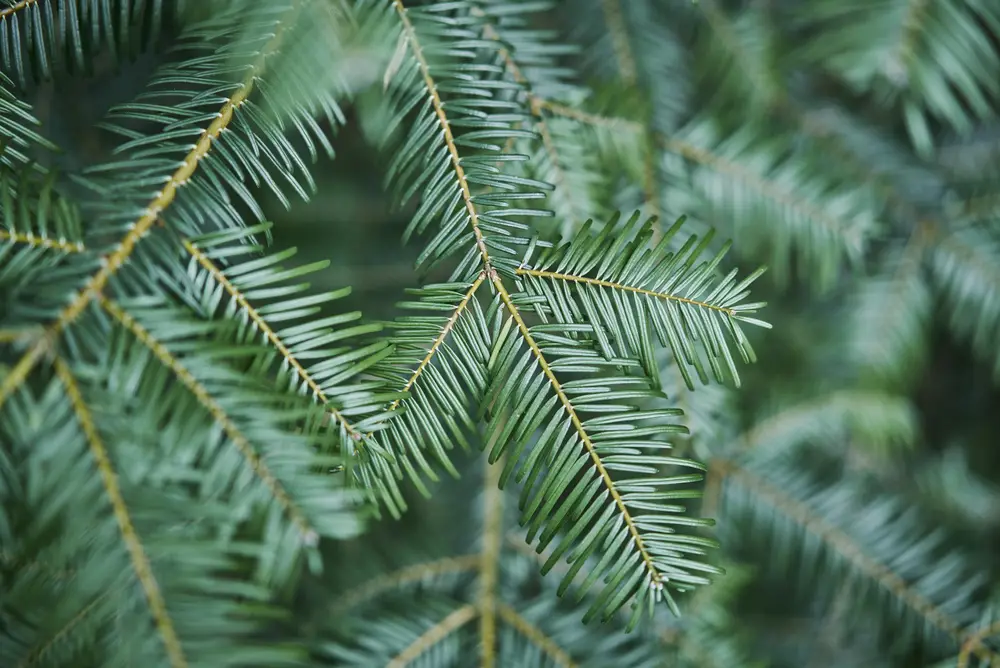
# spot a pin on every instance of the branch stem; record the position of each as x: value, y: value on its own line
x: 523, y: 271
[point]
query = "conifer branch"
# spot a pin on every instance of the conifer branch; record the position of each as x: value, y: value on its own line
x: 257, y: 464
x: 913, y: 251
x: 587, y: 118
x: 916, y: 12
x: 434, y: 635
x: 489, y: 561
x: 722, y: 27
x: 556, y: 276
x: 969, y: 253
x: 760, y: 183
x: 534, y: 103
x: 271, y: 335
x: 415, y: 573
x: 619, y: 40
x: 536, y: 636
x: 449, y: 138
x: 11, y: 335
x: 39, y: 653
x: 13, y: 9
x: 975, y: 642
x: 436, y: 345
x: 42, y: 242
x: 112, y: 262
x: 137, y: 553
x: 849, y: 549
x: 655, y: 577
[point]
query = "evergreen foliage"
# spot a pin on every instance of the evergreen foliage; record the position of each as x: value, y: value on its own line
x: 210, y: 456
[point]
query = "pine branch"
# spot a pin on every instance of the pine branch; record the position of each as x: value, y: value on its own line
x: 434, y: 635
x: 137, y: 553
x: 441, y: 363
x: 553, y: 275
x: 467, y: 197
x: 551, y: 649
x: 112, y: 262
x: 236, y: 437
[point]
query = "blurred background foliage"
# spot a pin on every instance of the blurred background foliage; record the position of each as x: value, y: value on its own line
x: 854, y: 147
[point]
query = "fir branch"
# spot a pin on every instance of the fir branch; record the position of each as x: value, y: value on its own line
x: 445, y: 125
x: 887, y: 330
x: 727, y: 35
x: 619, y: 38
x: 43, y: 242
x: 410, y: 574
x: 906, y: 49
x: 11, y: 335
x: 610, y: 122
x: 551, y: 649
x: 111, y: 263
x: 682, y: 297
x: 137, y: 553
x: 39, y: 653
x: 434, y: 635
x: 257, y: 465
x: 975, y: 642
x: 846, y: 546
x: 445, y: 330
x: 5, y: 12
x: 656, y: 579
x: 873, y: 420
x: 271, y: 336
x: 534, y: 103
x: 765, y: 186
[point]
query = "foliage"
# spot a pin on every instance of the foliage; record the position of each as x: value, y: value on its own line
x: 213, y: 453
